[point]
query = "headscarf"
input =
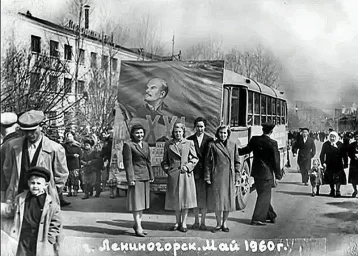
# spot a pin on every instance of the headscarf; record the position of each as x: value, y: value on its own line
x: 334, y: 144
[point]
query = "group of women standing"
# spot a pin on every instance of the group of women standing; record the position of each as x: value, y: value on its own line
x: 334, y: 158
x: 180, y: 158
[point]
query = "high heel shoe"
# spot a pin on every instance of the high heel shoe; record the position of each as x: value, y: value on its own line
x: 135, y: 230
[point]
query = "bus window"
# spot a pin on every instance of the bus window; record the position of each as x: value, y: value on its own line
x: 278, y: 112
x: 263, y: 109
x: 256, y: 108
x: 235, y: 106
x: 250, y: 109
x: 283, y: 112
x: 273, y: 105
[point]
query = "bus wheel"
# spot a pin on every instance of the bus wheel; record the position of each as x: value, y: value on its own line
x: 243, y: 191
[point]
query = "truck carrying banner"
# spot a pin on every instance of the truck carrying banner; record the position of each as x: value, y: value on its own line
x: 158, y: 94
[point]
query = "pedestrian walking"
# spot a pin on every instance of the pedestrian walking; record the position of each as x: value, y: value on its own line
x: 334, y: 159
x: 201, y: 143
x: 222, y: 173
x: 306, y: 151
x: 36, y: 214
x: 178, y: 163
x: 265, y: 170
x: 353, y: 167
x: 137, y: 164
x: 88, y: 161
x: 73, y: 156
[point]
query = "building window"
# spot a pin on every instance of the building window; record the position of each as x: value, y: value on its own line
x: 82, y: 57
x: 36, y: 44
x: 114, y: 64
x: 67, y: 85
x: 104, y: 62
x: 35, y: 82
x: 54, y: 49
x: 68, y: 52
x: 93, y: 60
x: 53, y: 83
x: 80, y: 87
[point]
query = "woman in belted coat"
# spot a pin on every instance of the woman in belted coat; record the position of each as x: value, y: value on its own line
x: 137, y: 164
x: 222, y: 171
x: 179, y: 161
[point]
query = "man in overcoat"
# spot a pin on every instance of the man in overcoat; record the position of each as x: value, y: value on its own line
x: 34, y: 149
x: 266, y: 164
x: 306, y: 151
x: 201, y: 143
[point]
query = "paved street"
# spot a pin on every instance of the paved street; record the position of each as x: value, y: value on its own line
x: 299, y: 216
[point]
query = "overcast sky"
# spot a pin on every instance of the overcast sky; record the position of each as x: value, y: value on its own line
x: 315, y: 40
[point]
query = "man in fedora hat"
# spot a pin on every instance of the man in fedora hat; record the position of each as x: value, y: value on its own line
x: 8, y: 129
x: 265, y: 165
x: 34, y: 149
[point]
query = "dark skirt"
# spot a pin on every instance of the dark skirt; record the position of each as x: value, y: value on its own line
x: 89, y: 177
x: 353, y: 174
x: 201, y: 192
x: 138, y: 196
x: 335, y: 177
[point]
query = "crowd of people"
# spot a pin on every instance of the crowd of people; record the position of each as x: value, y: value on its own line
x: 329, y: 167
x: 203, y: 173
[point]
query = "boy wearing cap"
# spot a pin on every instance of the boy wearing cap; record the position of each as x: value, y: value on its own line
x: 37, y: 221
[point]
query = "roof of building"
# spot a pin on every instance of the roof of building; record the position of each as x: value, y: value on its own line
x: 68, y: 30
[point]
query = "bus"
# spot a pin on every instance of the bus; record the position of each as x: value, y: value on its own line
x: 193, y: 89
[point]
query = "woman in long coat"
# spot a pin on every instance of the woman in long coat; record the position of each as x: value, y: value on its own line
x: 137, y: 164
x: 222, y: 170
x: 178, y: 162
x: 334, y: 158
x: 353, y: 168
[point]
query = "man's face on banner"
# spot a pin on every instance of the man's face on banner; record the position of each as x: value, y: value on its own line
x: 154, y: 91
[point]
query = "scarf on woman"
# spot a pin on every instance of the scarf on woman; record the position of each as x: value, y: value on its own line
x: 334, y: 144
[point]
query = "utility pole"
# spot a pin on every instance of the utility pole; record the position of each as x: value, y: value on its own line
x: 173, y: 42
x: 77, y: 55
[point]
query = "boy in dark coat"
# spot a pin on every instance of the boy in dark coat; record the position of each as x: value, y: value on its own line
x: 37, y: 220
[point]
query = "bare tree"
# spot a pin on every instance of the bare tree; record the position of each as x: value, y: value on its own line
x: 210, y: 49
x: 259, y: 65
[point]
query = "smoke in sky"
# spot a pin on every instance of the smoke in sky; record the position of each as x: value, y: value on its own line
x: 316, y: 41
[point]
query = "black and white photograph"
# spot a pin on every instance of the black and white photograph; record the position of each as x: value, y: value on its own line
x: 179, y: 127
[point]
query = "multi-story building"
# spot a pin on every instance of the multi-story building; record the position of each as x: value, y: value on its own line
x: 86, y: 59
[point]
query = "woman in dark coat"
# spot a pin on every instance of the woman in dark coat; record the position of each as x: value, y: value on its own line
x: 222, y: 170
x: 334, y: 159
x: 353, y: 168
x: 178, y: 162
x: 73, y: 156
x: 137, y: 164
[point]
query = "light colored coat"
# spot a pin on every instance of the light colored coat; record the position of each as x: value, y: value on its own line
x: 49, y: 227
x: 52, y: 157
x: 181, y: 191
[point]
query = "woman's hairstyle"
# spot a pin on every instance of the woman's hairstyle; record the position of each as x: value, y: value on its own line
x: 222, y: 127
x: 178, y: 125
x: 134, y: 128
x: 200, y: 119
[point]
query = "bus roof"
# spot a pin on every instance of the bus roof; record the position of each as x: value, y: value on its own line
x: 233, y: 78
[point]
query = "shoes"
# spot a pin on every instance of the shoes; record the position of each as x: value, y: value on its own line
x: 140, y: 234
x: 258, y: 223
x: 313, y: 194
x: 69, y: 194
x: 216, y: 229
x: 306, y: 184
x: 195, y: 226
x: 85, y: 196
x: 203, y: 227
x: 271, y: 221
x: 112, y: 196
x: 225, y: 229
x: 338, y: 194
x: 354, y: 194
x: 75, y: 193
x: 175, y: 227
x: 64, y: 203
x: 332, y: 193
x: 182, y: 229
